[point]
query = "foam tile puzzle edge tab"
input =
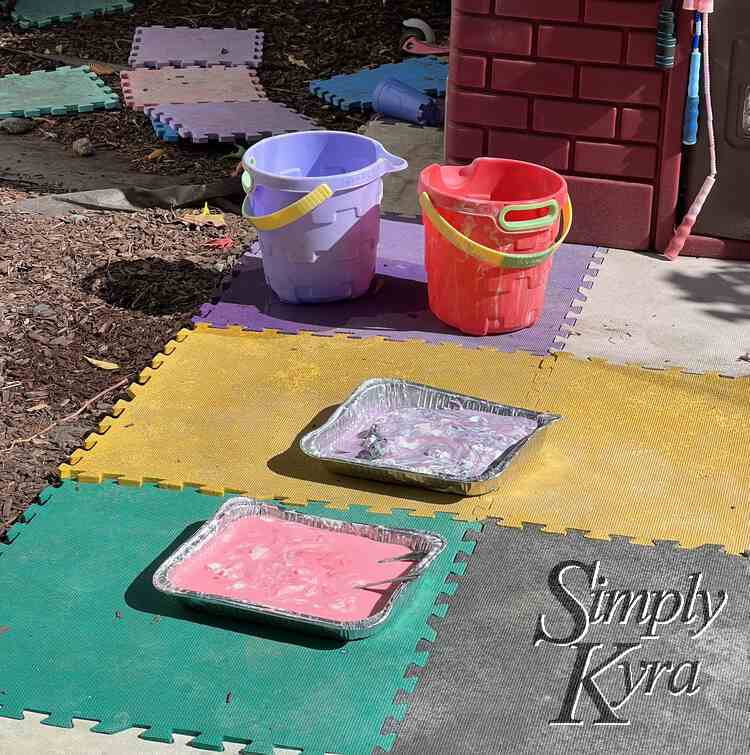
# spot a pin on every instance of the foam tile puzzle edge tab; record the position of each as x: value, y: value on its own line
x: 58, y: 92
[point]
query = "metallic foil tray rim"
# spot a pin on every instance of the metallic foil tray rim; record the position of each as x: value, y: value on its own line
x: 544, y: 419
x: 240, y: 507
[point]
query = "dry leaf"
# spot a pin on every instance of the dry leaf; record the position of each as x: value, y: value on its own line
x: 101, y: 70
x: 101, y: 364
x: 38, y: 407
x: 157, y: 154
x: 205, y: 217
x: 225, y: 242
x: 297, y: 62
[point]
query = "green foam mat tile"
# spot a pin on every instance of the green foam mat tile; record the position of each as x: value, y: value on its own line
x: 29, y: 14
x: 59, y: 92
x: 89, y: 637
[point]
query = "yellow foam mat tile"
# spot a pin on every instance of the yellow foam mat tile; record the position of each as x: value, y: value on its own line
x: 224, y: 411
x: 650, y: 455
x: 647, y: 454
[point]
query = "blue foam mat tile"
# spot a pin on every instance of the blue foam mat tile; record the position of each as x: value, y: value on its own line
x: 164, y: 132
x: 353, y: 92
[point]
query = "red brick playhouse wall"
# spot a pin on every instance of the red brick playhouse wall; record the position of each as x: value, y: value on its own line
x: 572, y: 84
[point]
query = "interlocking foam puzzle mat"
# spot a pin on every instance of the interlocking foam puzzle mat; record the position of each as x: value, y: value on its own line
x: 64, y: 90
x: 647, y: 454
x: 163, y: 132
x: 150, y: 86
x: 89, y: 637
x: 230, y: 121
x: 159, y: 46
x: 225, y: 409
x: 420, y: 147
x: 353, y: 91
x: 396, y: 306
x: 695, y: 315
x: 39, y: 13
x: 533, y: 656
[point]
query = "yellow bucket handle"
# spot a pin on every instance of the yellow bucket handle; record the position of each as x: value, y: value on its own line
x: 293, y: 212
x: 485, y: 253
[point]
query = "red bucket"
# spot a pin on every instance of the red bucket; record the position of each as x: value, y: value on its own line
x: 491, y: 230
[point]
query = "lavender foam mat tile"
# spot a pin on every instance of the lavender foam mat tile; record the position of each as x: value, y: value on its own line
x: 396, y: 305
x: 230, y: 121
x: 159, y: 46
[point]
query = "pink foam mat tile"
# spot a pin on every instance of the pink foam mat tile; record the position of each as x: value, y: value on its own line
x: 142, y: 87
x: 180, y: 46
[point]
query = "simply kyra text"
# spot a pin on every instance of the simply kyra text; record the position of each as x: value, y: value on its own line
x: 650, y: 610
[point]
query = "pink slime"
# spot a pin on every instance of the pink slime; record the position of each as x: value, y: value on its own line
x: 293, y: 567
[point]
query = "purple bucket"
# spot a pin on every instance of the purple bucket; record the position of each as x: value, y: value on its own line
x: 314, y: 197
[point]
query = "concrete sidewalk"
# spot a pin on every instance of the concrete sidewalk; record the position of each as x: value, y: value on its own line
x: 692, y: 314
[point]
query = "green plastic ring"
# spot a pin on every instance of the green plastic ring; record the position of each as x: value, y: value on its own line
x: 535, y: 224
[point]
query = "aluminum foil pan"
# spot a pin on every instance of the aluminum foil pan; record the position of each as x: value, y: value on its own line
x: 386, y: 394
x: 431, y: 544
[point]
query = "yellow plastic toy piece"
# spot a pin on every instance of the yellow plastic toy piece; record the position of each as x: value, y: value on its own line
x: 293, y: 212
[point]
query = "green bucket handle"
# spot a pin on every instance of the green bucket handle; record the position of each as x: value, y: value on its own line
x: 486, y: 254
x: 534, y: 224
x: 247, y: 182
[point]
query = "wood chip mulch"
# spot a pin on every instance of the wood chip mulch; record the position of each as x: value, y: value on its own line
x: 112, y: 287
x: 116, y: 287
x: 304, y: 40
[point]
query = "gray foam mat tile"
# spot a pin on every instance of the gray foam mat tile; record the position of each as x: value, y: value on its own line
x: 607, y: 686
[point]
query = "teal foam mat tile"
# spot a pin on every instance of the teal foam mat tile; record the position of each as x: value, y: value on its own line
x: 29, y: 14
x: 59, y: 92
x: 89, y: 636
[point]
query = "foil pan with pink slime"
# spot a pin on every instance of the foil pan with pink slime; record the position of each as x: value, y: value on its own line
x: 264, y: 562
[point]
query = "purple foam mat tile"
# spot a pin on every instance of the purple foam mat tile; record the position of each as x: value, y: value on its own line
x: 231, y: 121
x: 159, y: 46
x: 396, y: 306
